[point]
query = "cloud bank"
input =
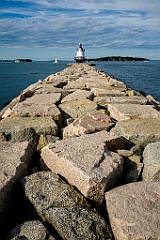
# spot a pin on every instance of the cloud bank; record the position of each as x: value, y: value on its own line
x: 63, y: 24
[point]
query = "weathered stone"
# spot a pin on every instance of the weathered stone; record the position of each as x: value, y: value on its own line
x: 23, y: 109
x: 134, y: 211
x: 25, y: 94
x: 15, y: 159
x: 75, y: 85
x: 139, y: 131
x: 77, y: 108
x: 151, y: 155
x: 86, y: 162
x: 132, y: 167
x: 44, y: 99
x: 79, y: 94
x: 104, y: 101
x: 95, y: 83
x: 42, y: 125
x: 98, y: 92
x: 116, y: 83
x: 45, y: 139
x: 30, y: 230
x: 56, y: 80
x: 64, y: 208
x: 89, y: 123
x: 122, y: 112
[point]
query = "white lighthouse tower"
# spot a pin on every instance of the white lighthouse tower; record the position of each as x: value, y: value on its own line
x: 80, y: 58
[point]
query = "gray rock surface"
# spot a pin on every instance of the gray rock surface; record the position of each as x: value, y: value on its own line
x: 64, y: 208
x: 86, y: 162
x: 134, y: 211
x: 122, y: 112
x: 77, y: 108
x: 15, y: 159
x: 89, y: 123
x: 41, y: 125
x: 103, y: 101
x: 24, y: 109
x: 30, y: 230
x: 139, y: 131
x: 151, y: 160
x: 100, y: 92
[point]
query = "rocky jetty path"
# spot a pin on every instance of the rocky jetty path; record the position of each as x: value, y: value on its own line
x: 80, y: 160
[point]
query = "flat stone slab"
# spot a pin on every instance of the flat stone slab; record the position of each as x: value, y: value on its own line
x: 104, y: 101
x: 24, y: 109
x: 44, y: 99
x: 122, y: 112
x: 64, y: 208
x: 151, y: 160
x: 86, y: 162
x: 15, y: 159
x: 139, y: 131
x: 79, y: 84
x: 134, y: 211
x: 89, y: 123
x: 78, y: 94
x: 77, y: 108
x: 27, y: 129
x: 98, y: 92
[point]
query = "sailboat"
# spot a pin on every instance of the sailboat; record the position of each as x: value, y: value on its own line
x: 56, y: 60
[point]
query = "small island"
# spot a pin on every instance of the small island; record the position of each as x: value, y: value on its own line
x: 119, y: 59
x: 23, y: 60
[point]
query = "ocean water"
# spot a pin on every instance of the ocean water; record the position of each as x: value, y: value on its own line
x: 14, y: 77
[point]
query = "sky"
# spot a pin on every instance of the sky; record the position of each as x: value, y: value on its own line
x: 48, y: 29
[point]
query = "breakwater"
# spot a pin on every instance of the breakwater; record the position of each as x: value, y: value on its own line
x: 80, y: 159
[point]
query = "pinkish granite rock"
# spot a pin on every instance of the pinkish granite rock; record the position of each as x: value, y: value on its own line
x: 86, y: 162
x: 78, y: 94
x: 98, y: 92
x: 89, y: 123
x: 122, y: 112
x: 134, y: 211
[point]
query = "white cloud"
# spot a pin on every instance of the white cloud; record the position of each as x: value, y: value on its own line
x: 111, y: 24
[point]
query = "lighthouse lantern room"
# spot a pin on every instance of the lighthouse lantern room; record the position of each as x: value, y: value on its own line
x: 80, y: 58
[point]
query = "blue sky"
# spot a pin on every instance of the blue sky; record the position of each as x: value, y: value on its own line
x: 48, y: 29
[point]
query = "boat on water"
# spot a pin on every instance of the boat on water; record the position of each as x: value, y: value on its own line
x: 56, y: 60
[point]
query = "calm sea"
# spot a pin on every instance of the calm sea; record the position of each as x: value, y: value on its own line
x: 14, y: 77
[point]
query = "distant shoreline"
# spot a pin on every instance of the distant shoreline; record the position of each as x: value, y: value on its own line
x: 118, y: 58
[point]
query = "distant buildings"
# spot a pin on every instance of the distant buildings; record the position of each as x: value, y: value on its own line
x: 80, y: 58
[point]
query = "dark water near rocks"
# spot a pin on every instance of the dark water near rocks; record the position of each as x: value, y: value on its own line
x: 14, y: 77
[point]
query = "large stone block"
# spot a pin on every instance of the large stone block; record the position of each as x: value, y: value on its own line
x: 89, y: 123
x: 134, y: 211
x: 104, y: 101
x: 77, y: 108
x: 64, y: 208
x: 151, y: 160
x: 41, y: 125
x: 86, y: 162
x: 15, y: 159
x: 100, y: 92
x: 139, y: 131
x: 23, y: 109
x: 78, y: 94
x: 123, y: 112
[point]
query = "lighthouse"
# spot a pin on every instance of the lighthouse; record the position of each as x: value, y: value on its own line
x: 80, y: 58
